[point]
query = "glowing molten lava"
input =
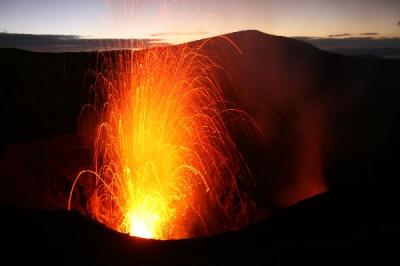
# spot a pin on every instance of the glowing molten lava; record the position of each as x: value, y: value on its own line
x: 165, y: 164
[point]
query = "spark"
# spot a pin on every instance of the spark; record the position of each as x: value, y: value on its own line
x: 165, y: 165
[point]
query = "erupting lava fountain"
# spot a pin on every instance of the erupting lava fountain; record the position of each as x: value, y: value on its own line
x: 165, y: 165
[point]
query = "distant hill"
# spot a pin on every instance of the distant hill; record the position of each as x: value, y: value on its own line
x: 390, y: 53
x: 328, y: 119
x: 371, y: 45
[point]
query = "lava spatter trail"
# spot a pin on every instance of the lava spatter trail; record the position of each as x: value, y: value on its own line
x: 164, y: 163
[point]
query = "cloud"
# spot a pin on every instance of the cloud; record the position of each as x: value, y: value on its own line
x: 168, y: 34
x: 339, y: 35
x: 369, y: 34
x: 352, y: 35
x: 71, y: 43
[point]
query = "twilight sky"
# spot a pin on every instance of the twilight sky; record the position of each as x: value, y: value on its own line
x: 181, y: 20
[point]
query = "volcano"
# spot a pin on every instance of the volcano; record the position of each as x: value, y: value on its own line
x: 324, y: 159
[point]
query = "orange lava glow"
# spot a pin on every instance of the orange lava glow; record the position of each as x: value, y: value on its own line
x: 165, y: 165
